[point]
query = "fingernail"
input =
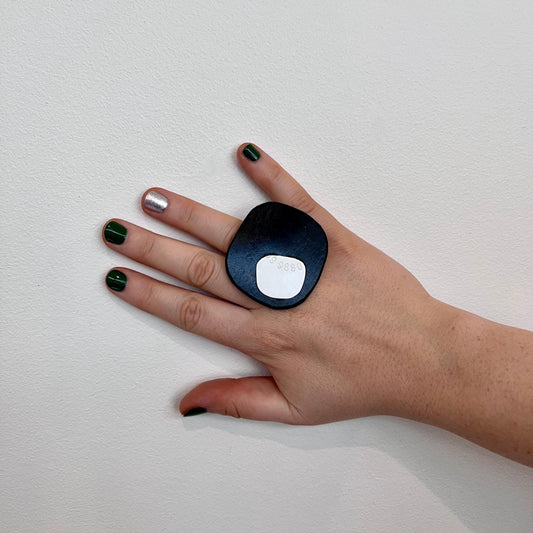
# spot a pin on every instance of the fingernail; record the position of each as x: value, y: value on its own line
x: 115, y: 233
x: 155, y: 202
x: 195, y: 411
x: 251, y: 152
x: 116, y: 280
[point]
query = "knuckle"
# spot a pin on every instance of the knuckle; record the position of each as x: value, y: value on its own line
x: 146, y: 297
x: 232, y: 410
x: 187, y: 213
x: 189, y: 313
x: 201, y: 270
x: 229, y: 233
x: 273, y: 341
x: 303, y: 201
x: 277, y: 174
x: 147, y: 246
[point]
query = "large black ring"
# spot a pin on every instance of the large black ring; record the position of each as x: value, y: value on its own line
x: 277, y: 255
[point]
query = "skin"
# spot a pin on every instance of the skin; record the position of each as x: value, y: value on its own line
x: 392, y: 350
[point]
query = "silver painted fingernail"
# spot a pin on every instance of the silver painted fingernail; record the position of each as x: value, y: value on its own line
x: 155, y: 202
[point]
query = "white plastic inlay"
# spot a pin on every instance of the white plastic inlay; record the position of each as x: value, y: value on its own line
x: 279, y: 276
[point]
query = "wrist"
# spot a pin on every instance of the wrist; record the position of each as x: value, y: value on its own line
x: 438, y: 367
x: 476, y: 382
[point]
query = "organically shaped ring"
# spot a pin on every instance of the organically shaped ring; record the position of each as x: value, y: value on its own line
x: 277, y: 255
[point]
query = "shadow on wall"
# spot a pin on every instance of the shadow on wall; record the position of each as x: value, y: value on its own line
x: 464, y: 476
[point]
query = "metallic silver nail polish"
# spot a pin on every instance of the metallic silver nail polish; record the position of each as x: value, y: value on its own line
x: 155, y: 202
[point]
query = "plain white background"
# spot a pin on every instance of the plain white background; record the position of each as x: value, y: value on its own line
x: 411, y: 121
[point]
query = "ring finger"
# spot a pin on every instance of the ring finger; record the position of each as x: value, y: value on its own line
x: 207, y: 224
x: 191, y: 264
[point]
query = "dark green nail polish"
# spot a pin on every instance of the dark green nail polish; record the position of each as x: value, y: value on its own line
x: 251, y: 152
x: 195, y: 411
x: 116, y: 280
x: 115, y: 233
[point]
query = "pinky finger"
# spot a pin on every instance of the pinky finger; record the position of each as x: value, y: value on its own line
x: 197, y: 313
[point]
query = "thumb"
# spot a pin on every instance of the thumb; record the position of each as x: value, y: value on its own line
x: 256, y: 398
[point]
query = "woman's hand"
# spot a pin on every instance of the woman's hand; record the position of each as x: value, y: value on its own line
x: 363, y: 343
x: 368, y: 340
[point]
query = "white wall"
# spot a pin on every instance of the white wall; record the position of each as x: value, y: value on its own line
x: 411, y: 121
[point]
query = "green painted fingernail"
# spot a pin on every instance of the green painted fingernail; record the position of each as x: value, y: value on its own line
x: 115, y: 233
x: 116, y: 280
x: 251, y: 152
x: 195, y: 411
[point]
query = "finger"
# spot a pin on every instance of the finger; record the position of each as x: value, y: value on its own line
x: 203, y: 315
x: 280, y: 185
x: 191, y: 264
x: 256, y: 398
x: 209, y: 225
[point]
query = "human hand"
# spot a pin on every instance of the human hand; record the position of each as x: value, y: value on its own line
x: 361, y: 344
